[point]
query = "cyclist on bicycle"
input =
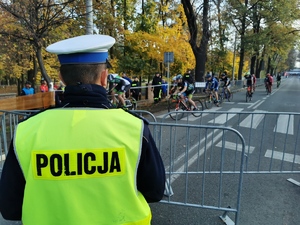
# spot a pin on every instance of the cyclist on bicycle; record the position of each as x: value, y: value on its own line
x: 249, y: 82
x: 185, y: 89
x: 254, y: 81
x: 212, y: 84
x: 226, y: 82
x: 119, y: 86
x: 278, y: 79
x: 269, y: 82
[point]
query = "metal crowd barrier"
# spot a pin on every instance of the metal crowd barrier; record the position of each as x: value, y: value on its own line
x: 197, y: 171
x: 272, y: 138
x: 9, y: 120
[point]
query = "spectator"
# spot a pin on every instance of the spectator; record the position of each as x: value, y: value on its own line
x: 44, y: 86
x: 27, y: 90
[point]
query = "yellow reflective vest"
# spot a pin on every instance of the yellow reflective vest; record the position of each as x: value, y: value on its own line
x: 80, y: 167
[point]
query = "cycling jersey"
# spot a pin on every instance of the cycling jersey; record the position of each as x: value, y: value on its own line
x: 214, y: 84
x: 189, y: 87
x: 122, y: 85
x: 278, y: 77
x: 249, y: 80
x: 226, y: 81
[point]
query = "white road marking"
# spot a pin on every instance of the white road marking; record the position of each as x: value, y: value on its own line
x: 235, y: 146
x: 253, y: 120
x: 279, y: 155
x: 253, y: 104
x: 285, y: 124
x: 258, y: 104
x: 245, y: 103
x: 195, y: 156
x: 294, y: 181
x: 223, y: 118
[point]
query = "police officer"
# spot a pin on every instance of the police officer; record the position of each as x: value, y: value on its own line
x: 156, y: 82
x: 135, y: 88
x: 83, y: 172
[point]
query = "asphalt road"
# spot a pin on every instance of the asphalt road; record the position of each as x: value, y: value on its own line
x: 268, y: 198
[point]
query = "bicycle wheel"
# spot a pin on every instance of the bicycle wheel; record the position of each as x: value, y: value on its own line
x: 132, y: 104
x: 174, y: 106
x: 198, y: 111
x: 222, y: 96
x: 208, y: 102
x: 248, y: 97
x: 229, y: 96
x: 221, y: 99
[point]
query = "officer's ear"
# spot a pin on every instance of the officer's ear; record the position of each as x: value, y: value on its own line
x: 103, y: 78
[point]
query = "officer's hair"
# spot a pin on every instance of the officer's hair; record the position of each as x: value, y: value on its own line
x: 73, y: 74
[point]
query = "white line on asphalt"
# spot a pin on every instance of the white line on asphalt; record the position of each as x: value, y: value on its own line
x: 258, y: 104
x: 245, y: 103
x: 195, y: 156
x: 294, y: 181
x: 223, y: 118
x: 235, y: 146
x: 285, y: 124
x: 279, y: 155
x: 253, y: 120
x: 228, y: 102
x: 253, y: 104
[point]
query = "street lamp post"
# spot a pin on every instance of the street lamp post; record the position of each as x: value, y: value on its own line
x: 89, y: 16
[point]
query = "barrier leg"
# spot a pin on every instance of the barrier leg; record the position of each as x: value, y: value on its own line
x: 226, y: 218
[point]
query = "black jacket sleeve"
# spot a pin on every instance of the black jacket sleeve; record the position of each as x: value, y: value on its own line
x: 151, y: 171
x: 12, y: 184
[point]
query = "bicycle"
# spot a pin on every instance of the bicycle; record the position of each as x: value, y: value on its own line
x: 268, y: 88
x: 225, y: 94
x: 248, y: 94
x: 130, y: 102
x: 211, y: 99
x: 179, y: 105
x: 278, y: 83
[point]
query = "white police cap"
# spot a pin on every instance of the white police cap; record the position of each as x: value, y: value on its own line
x: 85, y: 49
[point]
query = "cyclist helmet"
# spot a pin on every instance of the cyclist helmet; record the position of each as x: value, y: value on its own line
x: 110, y: 77
x: 179, y: 76
x: 223, y: 75
x: 208, y: 75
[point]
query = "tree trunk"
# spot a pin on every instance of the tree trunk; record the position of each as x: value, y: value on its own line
x: 41, y: 64
x: 242, y: 50
x: 200, y: 53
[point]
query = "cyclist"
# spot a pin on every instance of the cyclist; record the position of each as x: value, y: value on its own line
x: 254, y: 81
x: 185, y: 89
x: 269, y: 82
x: 249, y: 82
x: 119, y: 86
x: 173, y: 88
x: 226, y: 84
x: 212, y: 84
x: 278, y: 79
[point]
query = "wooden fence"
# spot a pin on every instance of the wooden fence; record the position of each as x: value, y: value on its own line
x: 39, y: 100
